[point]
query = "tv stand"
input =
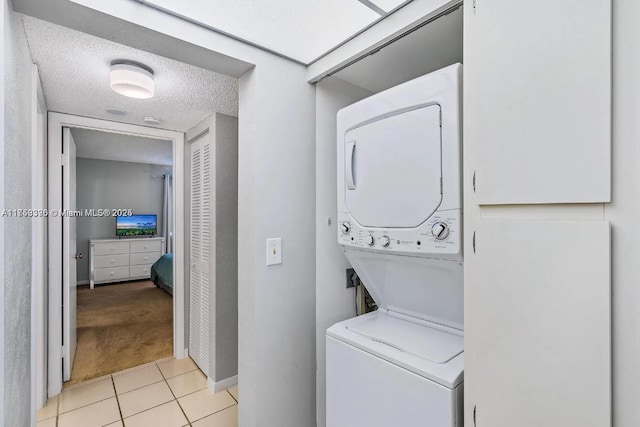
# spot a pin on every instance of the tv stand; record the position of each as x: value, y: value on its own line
x: 119, y: 260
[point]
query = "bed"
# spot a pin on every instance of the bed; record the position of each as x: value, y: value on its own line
x: 162, y: 273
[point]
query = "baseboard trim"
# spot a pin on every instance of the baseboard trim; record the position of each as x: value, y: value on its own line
x: 181, y: 354
x: 82, y: 282
x: 222, y: 384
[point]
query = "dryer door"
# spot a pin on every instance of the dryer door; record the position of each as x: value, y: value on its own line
x: 393, y: 169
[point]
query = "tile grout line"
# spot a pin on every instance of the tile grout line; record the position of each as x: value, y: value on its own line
x: 113, y: 383
x: 58, y: 409
x: 174, y: 396
x: 232, y: 396
x: 138, y: 388
x: 216, y: 412
x: 153, y: 407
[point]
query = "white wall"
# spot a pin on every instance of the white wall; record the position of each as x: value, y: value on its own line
x: 276, y: 199
x: 108, y: 184
x: 334, y: 302
x: 226, y: 205
x: 16, y: 241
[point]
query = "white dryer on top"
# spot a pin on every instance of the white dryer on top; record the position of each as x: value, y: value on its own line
x: 400, y: 226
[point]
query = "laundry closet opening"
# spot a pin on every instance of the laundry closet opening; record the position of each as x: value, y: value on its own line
x: 431, y: 45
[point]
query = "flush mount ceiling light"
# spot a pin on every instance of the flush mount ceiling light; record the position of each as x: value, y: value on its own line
x: 131, y: 79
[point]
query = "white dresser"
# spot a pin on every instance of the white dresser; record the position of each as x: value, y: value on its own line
x: 117, y: 260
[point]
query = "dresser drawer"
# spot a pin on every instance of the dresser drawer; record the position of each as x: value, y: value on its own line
x: 140, y: 271
x: 108, y: 261
x: 111, y: 248
x: 144, y: 258
x: 108, y: 274
x: 144, y: 246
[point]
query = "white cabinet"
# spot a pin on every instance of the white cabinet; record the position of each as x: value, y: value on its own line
x: 538, y: 352
x: 537, y: 131
x: 537, y: 78
x: 116, y: 260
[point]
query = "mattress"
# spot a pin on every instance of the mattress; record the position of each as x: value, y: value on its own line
x: 163, y: 270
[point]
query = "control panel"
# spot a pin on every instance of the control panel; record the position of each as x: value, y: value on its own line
x: 439, y: 236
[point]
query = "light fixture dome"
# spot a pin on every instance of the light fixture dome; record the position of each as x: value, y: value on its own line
x: 131, y: 79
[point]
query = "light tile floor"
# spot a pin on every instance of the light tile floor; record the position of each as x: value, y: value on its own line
x: 167, y: 393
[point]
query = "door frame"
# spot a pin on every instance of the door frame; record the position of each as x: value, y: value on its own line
x: 56, y: 121
x: 38, y: 244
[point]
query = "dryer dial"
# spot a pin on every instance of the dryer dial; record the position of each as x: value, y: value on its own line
x: 440, y: 230
x: 345, y: 227
x: 385, y: 241
x: 370, y: 240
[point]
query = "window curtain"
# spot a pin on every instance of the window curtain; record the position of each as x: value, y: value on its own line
x: 167, y: 213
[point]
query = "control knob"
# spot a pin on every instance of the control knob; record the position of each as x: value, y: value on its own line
x: 385, y: 241
x: 440, y: 230
x: 370, y: 240
x: 346, y: 227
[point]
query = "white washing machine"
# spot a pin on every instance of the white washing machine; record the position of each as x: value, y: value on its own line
x: 400, y: 226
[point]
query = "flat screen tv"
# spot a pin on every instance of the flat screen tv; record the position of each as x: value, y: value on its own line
x: 136, y: 225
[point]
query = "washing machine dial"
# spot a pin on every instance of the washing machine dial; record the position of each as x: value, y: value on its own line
x: 345, y: 227
x: 385, y: 241
x: 370, y: 240
x: 440, y: 230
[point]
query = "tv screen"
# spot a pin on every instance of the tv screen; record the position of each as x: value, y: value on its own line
x: 136, y: 225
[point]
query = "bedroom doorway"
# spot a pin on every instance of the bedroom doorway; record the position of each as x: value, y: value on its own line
x: 124, y: 307
x: 64, y: 309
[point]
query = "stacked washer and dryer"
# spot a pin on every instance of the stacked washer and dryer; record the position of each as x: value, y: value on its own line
x: 400, y: 226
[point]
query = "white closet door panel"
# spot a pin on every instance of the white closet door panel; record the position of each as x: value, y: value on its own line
x: 538, y: 99
x: 196, y: 272
x: 195, y: 350
x: 202, y: 251
x: 541, y: 346
x: 196, y: 201
x: 206, y: 202
x: 207, y: 250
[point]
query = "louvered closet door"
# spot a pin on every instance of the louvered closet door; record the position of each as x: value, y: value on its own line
x: 201, y: 252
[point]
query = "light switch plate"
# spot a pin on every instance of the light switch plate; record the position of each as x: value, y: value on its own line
x: 274, y: 251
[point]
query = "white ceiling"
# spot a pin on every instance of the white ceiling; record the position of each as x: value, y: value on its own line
x: 300, y: 29
x: 74, y: 69
x: 93, y: 144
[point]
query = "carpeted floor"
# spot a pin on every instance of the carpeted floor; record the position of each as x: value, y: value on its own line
x: 121, y: 326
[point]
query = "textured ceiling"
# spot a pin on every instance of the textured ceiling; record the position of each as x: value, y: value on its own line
x: 74, y: 69
x: 93, y: 144
x: 300, y: 29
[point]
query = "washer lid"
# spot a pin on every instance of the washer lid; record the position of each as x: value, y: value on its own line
x: 393, y: 169
x: 435, y: 345
x: 428, y: 289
